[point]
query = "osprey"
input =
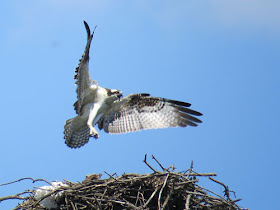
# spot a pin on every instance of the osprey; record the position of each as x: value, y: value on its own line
x: 116, y: 114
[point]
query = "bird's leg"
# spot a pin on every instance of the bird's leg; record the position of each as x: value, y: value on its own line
x: 93, y: 132
x: 91, y: 117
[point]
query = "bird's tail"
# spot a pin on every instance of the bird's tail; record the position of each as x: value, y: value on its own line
x: 76, y: 132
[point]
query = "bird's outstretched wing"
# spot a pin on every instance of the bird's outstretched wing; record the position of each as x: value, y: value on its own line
x: 83, y: 80
x: 140, y: 111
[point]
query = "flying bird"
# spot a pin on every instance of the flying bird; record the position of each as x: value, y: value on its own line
x: 115, y: 114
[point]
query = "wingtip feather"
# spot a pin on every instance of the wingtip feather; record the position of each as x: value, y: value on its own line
x: 88, y: 29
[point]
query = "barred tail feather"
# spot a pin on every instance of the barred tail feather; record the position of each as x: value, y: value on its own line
x: 76, y: 133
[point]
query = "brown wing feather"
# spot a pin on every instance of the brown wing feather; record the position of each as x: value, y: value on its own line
x: 82, y: 77
x: 137, y: 112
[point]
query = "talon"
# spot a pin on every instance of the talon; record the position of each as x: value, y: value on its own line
x: 93, y: 133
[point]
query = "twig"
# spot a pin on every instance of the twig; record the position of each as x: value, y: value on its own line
x: 211, y: 192
x: 110, y: 175
x: 168, y: 197
x: 137, y: 196
x: 124, y: 203
x: 104, y: 193
x: 145, y: 161
x: 226, y: 191
x: 89, y: 203
x: 73, y: 206
x: 172, y: 167
x: 166, y: 200
x: 193, y: 174
x: 164, y: 169
x: 187, y: 204
x: 143, y: 199
x: 12, y: 197
x: 201, y: 174
x: 69, y: 182
x: 17, y: 196
x: 33, y: 180
x: 160, y: 192
x: 150, y: 198
x: 190, y: 170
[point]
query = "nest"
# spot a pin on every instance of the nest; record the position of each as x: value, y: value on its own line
x: 158, y: 190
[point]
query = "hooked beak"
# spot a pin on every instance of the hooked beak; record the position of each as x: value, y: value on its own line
x: 119, y: 94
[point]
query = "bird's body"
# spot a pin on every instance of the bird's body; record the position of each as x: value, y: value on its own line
x: 114, y: 114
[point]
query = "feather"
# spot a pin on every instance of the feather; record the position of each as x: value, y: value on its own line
x: 137, y: 112
x: 83, y: 80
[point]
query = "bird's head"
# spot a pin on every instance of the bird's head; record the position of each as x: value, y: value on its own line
x: 114, y: 92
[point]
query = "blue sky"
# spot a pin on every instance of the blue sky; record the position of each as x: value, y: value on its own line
x: 221, y: 56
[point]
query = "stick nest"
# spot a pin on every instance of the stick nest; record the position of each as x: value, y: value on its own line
x: 159, y: 190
